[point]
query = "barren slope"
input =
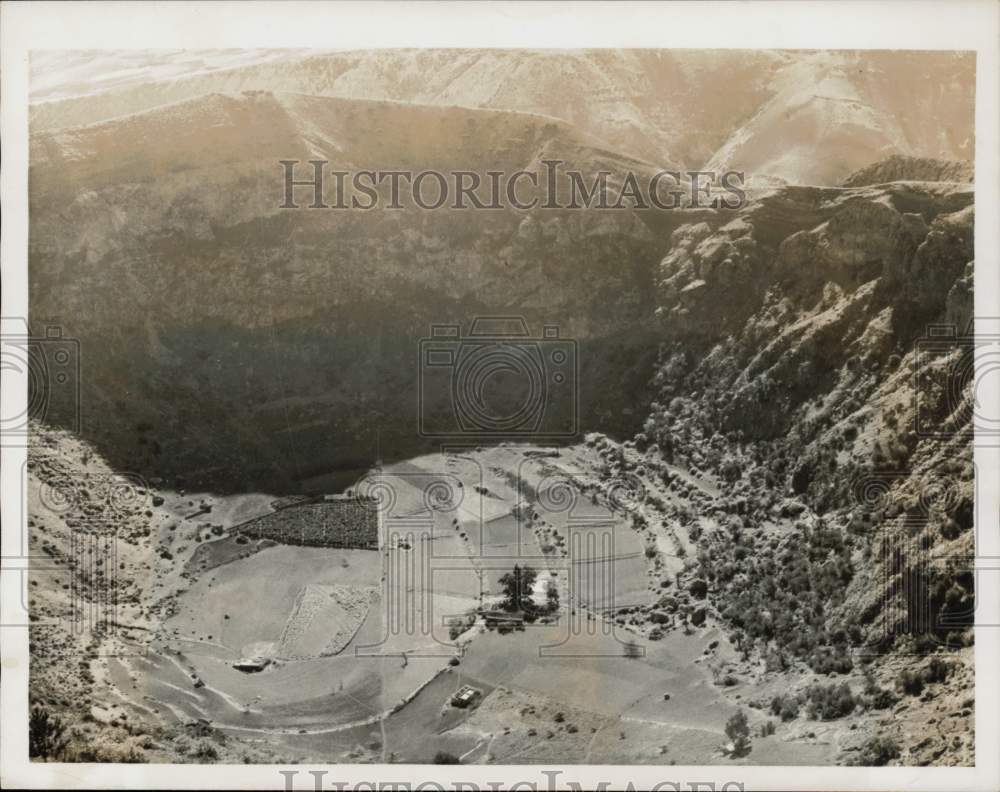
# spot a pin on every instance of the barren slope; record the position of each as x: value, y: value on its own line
x: 805, y: 118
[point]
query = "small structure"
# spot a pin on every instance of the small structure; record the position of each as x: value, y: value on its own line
x: 466, y: 696
x: 252, y: 665
x: 503, y: 620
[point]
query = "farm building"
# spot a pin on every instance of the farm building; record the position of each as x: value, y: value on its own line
x: 251, y: 665
x: 466, y: 696
x: 503, y: 619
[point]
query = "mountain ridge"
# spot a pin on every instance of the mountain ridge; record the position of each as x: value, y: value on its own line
x: 659, y: 106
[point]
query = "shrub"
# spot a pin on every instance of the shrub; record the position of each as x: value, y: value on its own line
x: 937, y: 670
x: 206, y: 750
x: 910, y: 682
x: 443, y: 757
x: 46, y: 734
x: 882, y: 699
x: 877, y: 752
x: 668, y: 603
x: 831, y: 661
x: 103, y: 751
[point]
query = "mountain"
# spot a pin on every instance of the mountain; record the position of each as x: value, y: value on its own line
x: 802, y: 118
x: 832, y: 113
x: 900, y: 168
x: 776, y: 377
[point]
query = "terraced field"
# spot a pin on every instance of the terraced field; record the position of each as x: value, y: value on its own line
x: 363, y: 657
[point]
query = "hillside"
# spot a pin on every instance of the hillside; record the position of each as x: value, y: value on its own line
x: 900, y: 168
x: 780, y: 116
x: 794, y: 337
x: 157, y: 239
x: 99, y: 575
x: 803, y: 541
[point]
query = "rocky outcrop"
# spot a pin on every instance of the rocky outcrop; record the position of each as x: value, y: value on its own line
x: 807, y: 355
x: 903, y: 168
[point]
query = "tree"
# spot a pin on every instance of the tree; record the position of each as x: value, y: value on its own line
x: 517, y: 588
x: 443, y: 757
x: 46, y: 734
x: 738, y: 731
x: 552, y: 596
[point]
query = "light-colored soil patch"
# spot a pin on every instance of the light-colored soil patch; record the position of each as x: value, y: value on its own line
x: 324, y: 620
x: 250, y: 600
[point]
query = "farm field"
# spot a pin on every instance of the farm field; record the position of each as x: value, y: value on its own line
x: 360, y: 645
x: 249, y: 601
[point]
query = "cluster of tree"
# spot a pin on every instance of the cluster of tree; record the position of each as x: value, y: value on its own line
x: 780, y: 597
x: 518, y: 590
x: 827, y: 702
x: 785, y: 707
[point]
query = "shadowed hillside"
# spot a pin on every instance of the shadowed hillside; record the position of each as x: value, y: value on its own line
x: 225, y: 338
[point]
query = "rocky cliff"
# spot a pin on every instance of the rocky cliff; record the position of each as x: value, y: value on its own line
x: 814, y: 359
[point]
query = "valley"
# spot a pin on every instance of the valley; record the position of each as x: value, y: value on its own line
x: 274, y: 526
x: 566, y: 685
